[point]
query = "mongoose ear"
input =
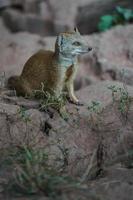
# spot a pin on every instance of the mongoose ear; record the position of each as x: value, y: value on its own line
x: 59, y: 40
x: 76, y: 30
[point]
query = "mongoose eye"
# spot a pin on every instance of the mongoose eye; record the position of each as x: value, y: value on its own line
x: 76, y: 43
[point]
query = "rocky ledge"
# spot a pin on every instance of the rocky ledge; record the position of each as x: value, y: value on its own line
x: 94, y: 138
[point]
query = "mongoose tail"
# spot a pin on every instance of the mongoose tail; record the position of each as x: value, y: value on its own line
x: 19, y: 85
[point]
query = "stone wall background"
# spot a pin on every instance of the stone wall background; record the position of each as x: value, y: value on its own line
x: 49, y: 17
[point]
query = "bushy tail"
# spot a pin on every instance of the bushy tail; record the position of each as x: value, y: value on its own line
x: 20, y: 85
x: 13, y: 82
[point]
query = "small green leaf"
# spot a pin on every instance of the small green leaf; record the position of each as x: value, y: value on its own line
x: 126, y: 13
x: 120, y: 10
x: 28, y: 153
x: 105, y: 23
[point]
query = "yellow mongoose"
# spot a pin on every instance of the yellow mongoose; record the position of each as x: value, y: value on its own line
x: 56, y: 69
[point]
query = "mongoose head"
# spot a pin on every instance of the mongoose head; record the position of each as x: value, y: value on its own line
x: 71, y: 44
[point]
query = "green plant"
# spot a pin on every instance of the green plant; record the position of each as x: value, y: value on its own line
x: 52, y: 101
x: 120, y: 16
x: 32, y: 173
x: 121, y: 96
x: 65, y: 155
x: 23, y: 114
x: 95, y: 109
x: 49, y: 99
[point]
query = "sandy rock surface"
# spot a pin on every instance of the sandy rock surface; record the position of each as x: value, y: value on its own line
x: 53, y: 16
x: 105, y: 135
x: 82, y: 134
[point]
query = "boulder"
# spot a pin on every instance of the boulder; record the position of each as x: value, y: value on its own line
x: 112, y: 54
x: 87, y: 145
x: 64, y: 13
x: 102, y: 129
x: 116, y: 183
x: 4, y: 3
x: 7, y: 3
x: 88, y: 15
x: 17, y: 21
x: 40, y: 8
x: 15, y: 49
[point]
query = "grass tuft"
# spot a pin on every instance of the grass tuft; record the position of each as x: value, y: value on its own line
x: 32, y: 174
x: 120, y: 96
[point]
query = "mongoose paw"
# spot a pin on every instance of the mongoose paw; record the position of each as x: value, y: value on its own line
x: 79, y: 103
x: 76, y: 102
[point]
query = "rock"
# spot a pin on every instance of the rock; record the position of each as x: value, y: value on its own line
x: 63, y: 15
x: 117, y: 183
x: 88, y: 15
x: 112, y: 54
x: 110, y: 59
x: 43, y: 27
x: 32, y: 16
x: 30, y: 6
x: 16, y: 21
x: 40, y: 8
x: 7, y: 3
x: 84, y: 133
x: 88, y: 143
x: 4, y: 31
x: 4, y: 3
x: 45, y: 11
x: 15, y: 126
x: 59, y: 13
x: 107, y: 132
x: 15, y: 49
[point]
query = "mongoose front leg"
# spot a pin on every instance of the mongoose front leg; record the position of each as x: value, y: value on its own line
x: 73, y: 98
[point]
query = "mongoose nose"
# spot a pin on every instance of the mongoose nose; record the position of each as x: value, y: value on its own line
x: 89, y: 49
